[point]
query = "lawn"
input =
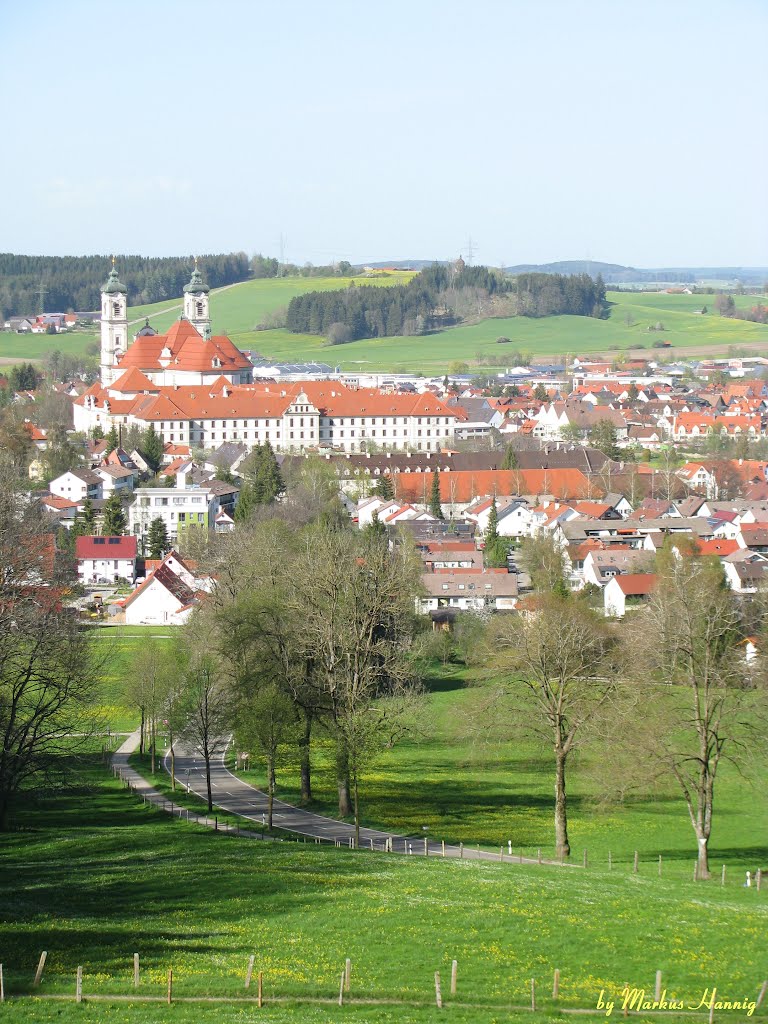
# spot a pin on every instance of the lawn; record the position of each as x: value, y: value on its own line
x: 116, y: 646
x: 477, y: 791
x: 96, y: 877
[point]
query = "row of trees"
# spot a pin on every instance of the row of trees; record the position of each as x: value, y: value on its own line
x: 668, y: 697
x: 73, y: 282
x: 307, y: 635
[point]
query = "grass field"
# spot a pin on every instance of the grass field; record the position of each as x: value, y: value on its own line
x: 116, y: 646
x: 490, y: 793
x: 97, y: 877
x: 237, y: 309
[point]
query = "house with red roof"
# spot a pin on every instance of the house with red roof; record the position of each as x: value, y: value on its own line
x: 632, y: 588
x: 106, y: 559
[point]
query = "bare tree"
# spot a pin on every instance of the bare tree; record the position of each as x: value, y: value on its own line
x: 355, y: 600
x: 266, y: 720
x: 205, y: 708
x: 557, y: 680
x: 693, y: 677
x: 47, y: 665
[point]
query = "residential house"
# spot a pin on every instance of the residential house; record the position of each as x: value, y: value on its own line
x: 624, y: 591
x: 105, y: 559
x: 77, y: 484
x: 167, y: 597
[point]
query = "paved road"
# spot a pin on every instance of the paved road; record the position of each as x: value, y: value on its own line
x: 232, y: 794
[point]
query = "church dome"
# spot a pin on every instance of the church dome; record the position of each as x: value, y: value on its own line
x: 113, y: 284
x: 196, y: 283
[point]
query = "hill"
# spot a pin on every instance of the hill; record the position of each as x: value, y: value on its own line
x: 238, y: 308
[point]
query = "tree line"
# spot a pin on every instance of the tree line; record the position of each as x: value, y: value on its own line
x: 437, y: 297
x: 73, y: 283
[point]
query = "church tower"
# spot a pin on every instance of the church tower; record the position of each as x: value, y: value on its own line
x: 196, y: 303
x: 114, y: 326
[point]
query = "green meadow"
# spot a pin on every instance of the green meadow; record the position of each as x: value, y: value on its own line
x: 238, y: 308
x: 95, y: 877
x: 457, y: 784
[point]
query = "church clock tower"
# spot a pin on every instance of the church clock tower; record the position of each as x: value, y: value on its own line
x: 114, y: 326
x: 196, y: 303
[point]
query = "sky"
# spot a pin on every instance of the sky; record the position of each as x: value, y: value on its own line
x: 543, y: 130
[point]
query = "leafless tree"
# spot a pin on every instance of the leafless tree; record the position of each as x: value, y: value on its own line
x: 685, y: 652
x: 48, y: 668
x: 355, y: 599
x: 556, y: 680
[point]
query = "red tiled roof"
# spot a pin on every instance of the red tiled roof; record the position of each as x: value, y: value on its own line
x: 105, y: 547
x: 188, y: 350
x: 464, y: 485
x: 636, y: 584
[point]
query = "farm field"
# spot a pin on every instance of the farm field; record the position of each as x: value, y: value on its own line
x: 96, y: 877
x: 236, y: 309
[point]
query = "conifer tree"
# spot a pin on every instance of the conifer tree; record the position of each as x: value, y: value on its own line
x: 112, y: 439
x: 510, y: 460
x: 157, y: 538
x: 151, y: 447
x: 434, y: 497
x: 114, y: 517
x: 384, y: 488
x: 88, y: 518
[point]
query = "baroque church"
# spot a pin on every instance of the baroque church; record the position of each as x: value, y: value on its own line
x: 187, y: 354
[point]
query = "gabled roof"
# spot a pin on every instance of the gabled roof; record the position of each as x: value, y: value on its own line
x: 105, y: 547
x: 636, y: 584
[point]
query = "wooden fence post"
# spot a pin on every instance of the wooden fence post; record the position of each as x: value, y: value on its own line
x: 249, y: 972
x: 2, y: 985
x: 533, y: 995
x: 347, y: 974
x: 657, y: 990
x: 170, y: 985
x: 712, y: 1006
x: 626, y: 1007
x: 760, y: 996
x: 585, y: 859
x: 539, y: 855
x: 454, y: 972
x: 442, y: 846
x: 461, y: 850
x: 556, y: 984
x: 40, y: 967
x: 260, y: 990
x: 636, y: 866
x: 135, y: 970
x: 341, y: 990
x: 659, y: 865
x: 79, y: 986
x: 438, y: 993
x: 722, y: 876
x: 759, y: 878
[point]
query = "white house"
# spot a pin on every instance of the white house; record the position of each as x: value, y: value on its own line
x: 77, y: 485
x: 105, y: 559
x: 167, y: 597
x: 637, y: 586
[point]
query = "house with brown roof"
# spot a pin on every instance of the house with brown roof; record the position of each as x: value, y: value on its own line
x: 168, y: 596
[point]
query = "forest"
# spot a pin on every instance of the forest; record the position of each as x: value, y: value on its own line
x: 72, y: 283
x: 440, y: 296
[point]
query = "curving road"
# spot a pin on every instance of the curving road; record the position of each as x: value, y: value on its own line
x: 232, y: 794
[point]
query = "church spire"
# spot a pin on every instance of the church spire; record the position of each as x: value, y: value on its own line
x: 196, y: 308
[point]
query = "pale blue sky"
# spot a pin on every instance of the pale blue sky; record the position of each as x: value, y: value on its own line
x: 547, y: 129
